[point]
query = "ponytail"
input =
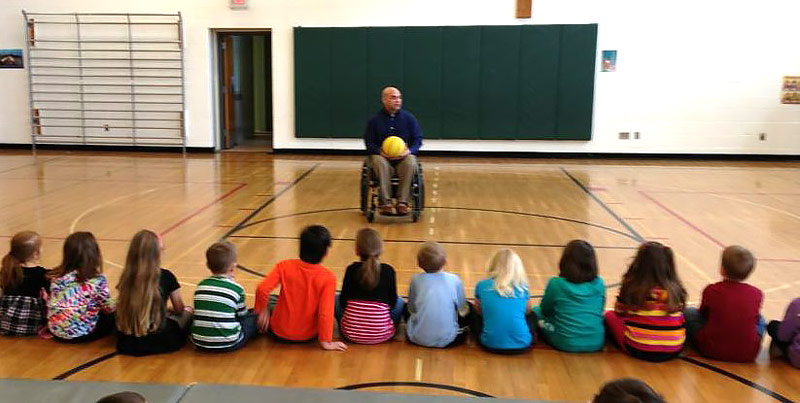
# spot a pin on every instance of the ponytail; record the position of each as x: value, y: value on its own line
x: 369, y: 247
x: 11, y: 272
x: 370, y: 272
x: 24, y: 246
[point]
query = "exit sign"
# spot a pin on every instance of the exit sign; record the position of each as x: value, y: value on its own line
x: 237, y: 4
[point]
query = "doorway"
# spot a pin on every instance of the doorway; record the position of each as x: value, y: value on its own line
x: 245, y: 88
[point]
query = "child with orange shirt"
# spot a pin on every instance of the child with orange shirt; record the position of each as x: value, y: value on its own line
x: 304, y: 308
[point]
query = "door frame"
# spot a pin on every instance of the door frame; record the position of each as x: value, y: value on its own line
x: 218, y: 114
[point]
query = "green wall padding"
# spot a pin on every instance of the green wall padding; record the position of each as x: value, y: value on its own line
x: 478, y: 82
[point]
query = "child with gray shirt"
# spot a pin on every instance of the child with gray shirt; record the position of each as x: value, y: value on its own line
x: 438, y: 311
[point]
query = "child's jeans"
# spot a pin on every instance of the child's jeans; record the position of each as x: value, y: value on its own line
x: 695, y: 321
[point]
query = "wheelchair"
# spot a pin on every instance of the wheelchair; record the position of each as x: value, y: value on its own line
x: 370, y: 189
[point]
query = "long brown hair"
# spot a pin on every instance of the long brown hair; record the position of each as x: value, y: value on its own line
x: 24, y: 246
x: 139, y: 306
x: 369, y: 247
x: 81, y: 255
x: 653, y: 266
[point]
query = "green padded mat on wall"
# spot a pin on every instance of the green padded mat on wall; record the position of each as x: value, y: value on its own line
x: 528, y: 82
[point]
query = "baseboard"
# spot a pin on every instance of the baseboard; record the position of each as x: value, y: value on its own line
x: 80, y: 147
x: 553, y: 155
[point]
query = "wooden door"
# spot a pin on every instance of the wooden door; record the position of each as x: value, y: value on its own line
x: 228, y: 125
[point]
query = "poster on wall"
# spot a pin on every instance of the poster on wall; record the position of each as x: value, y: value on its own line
x: 11, y: 59
x: 609, y: 61
x: 790, y: 91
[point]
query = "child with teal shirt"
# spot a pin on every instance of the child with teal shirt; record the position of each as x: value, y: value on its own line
x: 570, y: 314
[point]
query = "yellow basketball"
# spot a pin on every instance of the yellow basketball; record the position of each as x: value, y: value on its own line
x: 393, y: 146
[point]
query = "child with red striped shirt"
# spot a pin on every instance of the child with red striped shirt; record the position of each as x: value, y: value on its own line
x: 368, y: 307
x: 647, y: 321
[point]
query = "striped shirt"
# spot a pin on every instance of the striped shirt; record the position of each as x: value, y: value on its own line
x: 652, y: 328
x: 367, y: 322
x: 218, y: 305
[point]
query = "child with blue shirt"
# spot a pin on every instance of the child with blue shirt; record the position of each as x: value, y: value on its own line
x: 438, y: 311
x: 502, y: 301
x: 571, y: 312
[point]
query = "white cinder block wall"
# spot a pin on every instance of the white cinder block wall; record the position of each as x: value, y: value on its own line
x: 692, y: 76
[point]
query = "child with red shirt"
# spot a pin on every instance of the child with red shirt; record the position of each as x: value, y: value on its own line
x: 728, y: 325
x: 304, y: 308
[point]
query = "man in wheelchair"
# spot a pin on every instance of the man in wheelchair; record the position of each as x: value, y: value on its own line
x: 392, y: 120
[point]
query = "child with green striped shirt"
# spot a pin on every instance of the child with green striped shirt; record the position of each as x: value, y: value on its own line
x: 221, y: 321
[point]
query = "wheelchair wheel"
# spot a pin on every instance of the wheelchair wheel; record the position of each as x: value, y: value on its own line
x: 365, y: 191
x: 421, y: 190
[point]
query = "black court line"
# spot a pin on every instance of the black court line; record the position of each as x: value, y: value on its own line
x: 269, y: 201
x: 634, y: 237
x: 253, y: 272
x: 533, y: 245
x: 29, y: 165
x: 416, y: 384
x: 84, y: 366
x: 775, y: 395
x: 635, y: 234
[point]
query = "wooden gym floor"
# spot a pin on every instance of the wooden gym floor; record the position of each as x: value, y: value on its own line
x: 474, y: 206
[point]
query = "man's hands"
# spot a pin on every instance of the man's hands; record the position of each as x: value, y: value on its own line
x: 399, y: 157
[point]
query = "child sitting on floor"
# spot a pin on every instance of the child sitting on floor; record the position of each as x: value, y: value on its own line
x: 144, y: 326
x: 728, y: 325
x: 24, y: 286
x: 502, y: 305
x: 368, y: 307
x: 221, y: 321
x: 438, y: 311
x: 786, y: 334
x: 80, y: 308
x: 647, y: 322
x: 304, y: 309
x: 571, y: 311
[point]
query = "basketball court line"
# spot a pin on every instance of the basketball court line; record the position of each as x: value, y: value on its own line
x: 200, y: 210
x: 681, y: 218
x: 416, y: 384
x: 112, y: 201
x: 85, y: 365
x: 29, y: 165
x: 269, y: 201
x: 635, y: 235
x: 508, y: 244
x: 775, y: 395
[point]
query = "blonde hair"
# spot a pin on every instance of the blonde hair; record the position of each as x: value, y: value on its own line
x: 140, y: 309
x: 508, y: 272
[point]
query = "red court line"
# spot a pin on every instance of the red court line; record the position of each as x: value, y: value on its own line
x: 200, y: 210
x: 62, y: 238
x: 723, y: 193
x: 682, y: 219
